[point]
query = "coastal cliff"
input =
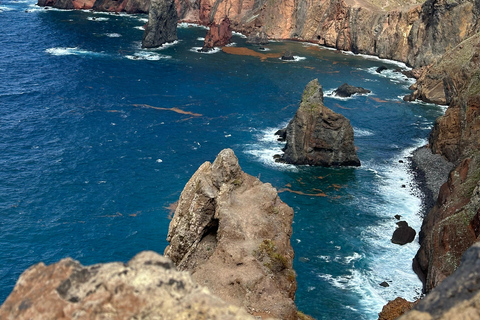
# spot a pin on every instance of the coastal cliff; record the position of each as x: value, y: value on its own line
x: 232, y: 232
x: 411, y: 32
x: 453, y: 224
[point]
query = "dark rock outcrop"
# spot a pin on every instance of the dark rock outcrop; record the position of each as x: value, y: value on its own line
x: 403, y: 234
x: 346, y: 90
x: 162, y: 24
x: 148, y: 287
x: 288, y: 56
x: 318, y: 136
x: 232, y: 232
x: 218, y: 35
x: 257, y: 37
x: 458, y: 297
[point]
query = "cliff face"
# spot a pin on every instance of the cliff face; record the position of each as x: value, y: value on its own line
x: 453, y: 224
x: 458, y: 297
x: 162, y: 24
x: 232, y: 232
x: 148, y: 287
x: 404, y: 30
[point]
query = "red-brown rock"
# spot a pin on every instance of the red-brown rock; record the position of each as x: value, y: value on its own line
x: 218, y: 35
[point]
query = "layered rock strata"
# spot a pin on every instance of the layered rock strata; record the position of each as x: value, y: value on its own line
x: 458, y: 297
x: 232, y: 232
x: 317, y: 135
x: 407, y: 31
x: 162, y: 24
x: 147, y: 287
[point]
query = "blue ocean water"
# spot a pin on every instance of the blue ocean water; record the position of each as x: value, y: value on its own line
x: 92, y: 153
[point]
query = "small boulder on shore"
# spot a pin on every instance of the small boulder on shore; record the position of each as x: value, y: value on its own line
x: 346, y: 90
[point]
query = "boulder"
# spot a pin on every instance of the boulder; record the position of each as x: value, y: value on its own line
x: 218, y: 35
x: 380, y: 69
x: 232, y: 232
x: 346, y: 90
x: 162, y: 24
x: 288, y: 56
x: 318, y: 136
x: 403, y: 234
x: 147, y: 287
x: 257, y: 37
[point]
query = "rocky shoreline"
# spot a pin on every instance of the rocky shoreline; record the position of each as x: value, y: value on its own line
x: 430, y: 172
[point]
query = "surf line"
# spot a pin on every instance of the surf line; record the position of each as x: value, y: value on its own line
x: 174, y: 109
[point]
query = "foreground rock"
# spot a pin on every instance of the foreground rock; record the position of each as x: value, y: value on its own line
x: 458, y: 297
x: 232, y: 232
x: 346, y: 90
x: 218, y: 35
x: 403, y: 234
x: 394, y: 309
x: 148, y: 287
x: 257, y: 37
x: 162, y: 24
x: 318, y: 136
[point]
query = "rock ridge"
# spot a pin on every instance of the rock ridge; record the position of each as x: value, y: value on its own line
x: 232, y: 223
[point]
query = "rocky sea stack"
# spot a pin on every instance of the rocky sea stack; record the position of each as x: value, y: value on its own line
x: 162, y: 24
x: 317, y: 135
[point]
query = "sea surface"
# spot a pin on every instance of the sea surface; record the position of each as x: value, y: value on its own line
x: 98, y: 138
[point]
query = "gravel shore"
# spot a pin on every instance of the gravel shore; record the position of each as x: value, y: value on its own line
x: 431, y: 172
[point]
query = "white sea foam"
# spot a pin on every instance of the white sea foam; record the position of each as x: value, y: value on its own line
x: 145, y: 55
x: 212, y: 51
x: 62, y: 51
x: 295, y: 59
x: 231, y: 44
x: 5, y: 8
x: 266, y: 147
x: 362, y: 132
x: 239, y: 34
x: 190, y: 25
x: 201, y: 39
x: 98, y: 19
x: 113, y: 35
x: 140, y: 28
x: 330, y: 94
x: 391, y: 74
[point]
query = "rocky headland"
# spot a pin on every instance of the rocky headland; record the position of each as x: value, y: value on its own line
x: 317, y: 135
x: 232, y: 259
x: 232, y: 233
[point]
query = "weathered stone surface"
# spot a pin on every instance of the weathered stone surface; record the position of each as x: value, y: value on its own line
x: 453, y: 224
x: 403, y: 234
x: 148, y: 287
x: 288, y: 55
x: 232, y: 232
x: 162, y: 24
x: 394, y: 309
x: 346, y: 90
x: 318, y: 136
x: 458, y: 297
x: 257, y: 37
x: 218, y: 35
